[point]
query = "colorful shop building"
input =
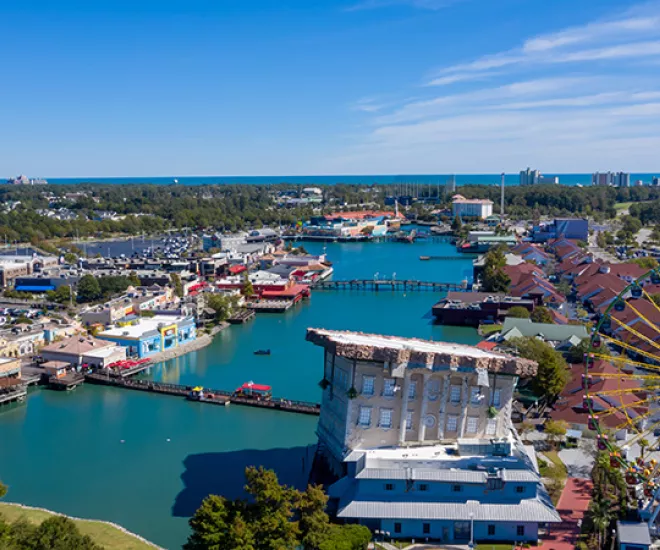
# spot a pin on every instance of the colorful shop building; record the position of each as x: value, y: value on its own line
x: 147, y: 336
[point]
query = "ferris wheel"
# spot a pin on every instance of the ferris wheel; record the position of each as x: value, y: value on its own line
x: 621, y: 385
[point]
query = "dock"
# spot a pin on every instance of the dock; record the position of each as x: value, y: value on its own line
x: 13, y: 394
x: 211, y: 396
x: 68, y: 382
x: 271, y: 306
x: 392, y: 285
x: 241, y: 316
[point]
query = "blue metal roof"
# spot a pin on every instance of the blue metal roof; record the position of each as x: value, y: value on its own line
x: 34, y: 288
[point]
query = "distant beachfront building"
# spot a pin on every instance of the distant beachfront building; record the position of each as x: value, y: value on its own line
x: 534, y: 177
x: 420, y: 435
x: 471, y: 208
x: 615, y: 179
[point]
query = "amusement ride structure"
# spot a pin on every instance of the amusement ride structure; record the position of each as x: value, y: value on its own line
x: 622, y: 388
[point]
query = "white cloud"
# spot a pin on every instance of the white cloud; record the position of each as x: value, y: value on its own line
x: 591, y: 32
x: 460, y: 77
x: 598, y: 103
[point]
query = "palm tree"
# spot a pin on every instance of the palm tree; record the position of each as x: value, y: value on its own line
x: 643, y: 444
x: 601, y: 513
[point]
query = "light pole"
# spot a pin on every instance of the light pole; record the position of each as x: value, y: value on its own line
x: 471, y: 530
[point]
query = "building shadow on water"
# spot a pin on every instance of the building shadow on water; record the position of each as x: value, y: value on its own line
x: 224, y: 473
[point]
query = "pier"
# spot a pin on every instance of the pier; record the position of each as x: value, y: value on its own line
x: 13, y: 394
x: 270, y: 306
x: 391, y: 285
x: 68, y: 382
x: 214, y: 397
x: 241, y: 316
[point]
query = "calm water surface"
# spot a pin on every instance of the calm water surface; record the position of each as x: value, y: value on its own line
x: 146, y: 461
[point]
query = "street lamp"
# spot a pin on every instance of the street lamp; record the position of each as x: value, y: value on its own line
x: 471, y: 530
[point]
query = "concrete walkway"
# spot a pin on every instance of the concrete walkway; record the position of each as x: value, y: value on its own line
x: 573, y: 504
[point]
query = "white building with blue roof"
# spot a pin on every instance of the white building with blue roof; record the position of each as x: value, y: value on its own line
x: 420, y: 435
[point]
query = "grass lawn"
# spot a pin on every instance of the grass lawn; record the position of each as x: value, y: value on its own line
x: 556, y: 461
x: 622, y: 205
x: 103, y: 534
x: 487, y: 330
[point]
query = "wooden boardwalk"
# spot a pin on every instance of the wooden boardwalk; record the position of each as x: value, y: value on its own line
x: 13, y: 394
x: 241, y: 316
x: 212, y: 396
x: 378, y: 285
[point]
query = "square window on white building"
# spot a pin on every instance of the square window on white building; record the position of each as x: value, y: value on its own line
x: 475, y: 395
x: 409, y: 419
x: 365, y: 417
x: 412, y: 389
x: 497, y: 397
x: 452, y: 423
x: 385, y: 420
x: 368, y: 385
x: 455, y: 395
x: 491, y: 427
x: 388, y: 387
x: 472, y: 424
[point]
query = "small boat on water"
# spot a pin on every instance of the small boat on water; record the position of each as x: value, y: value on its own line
x: 262, y: 352
x: 425, y: 257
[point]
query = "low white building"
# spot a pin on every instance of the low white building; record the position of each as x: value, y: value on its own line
x: 471, y: 208
x: 420, y: 435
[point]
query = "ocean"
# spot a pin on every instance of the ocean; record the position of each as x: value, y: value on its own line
x: 427, y: 179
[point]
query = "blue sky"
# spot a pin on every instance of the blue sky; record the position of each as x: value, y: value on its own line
x: 288, y: 87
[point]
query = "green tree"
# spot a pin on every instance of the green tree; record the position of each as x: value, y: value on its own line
x: 176, y: 283
x: 61, y: 533
x: 241, y: 536
x: 564, y: 288
x: 89, y: 289
x: 646, y: 263
x: 552, y: 375
x: 494, y: 278
x: 346, y: 537
x: 518, y: 312
x: 275, y: 517
x: 555, y: 430
x: 134, y: 279
x: 271, y: 510
x: 222, y: 305
x: 3, y: 489
x: 456, y: 224
x: 61, y: 295
x: 210, y: 525
x: 248, y: 289
x: 542, y: 314
x: 70, y: 258
x: 314, y: 522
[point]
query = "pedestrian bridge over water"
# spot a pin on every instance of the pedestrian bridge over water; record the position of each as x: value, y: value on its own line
x: 376, y: 285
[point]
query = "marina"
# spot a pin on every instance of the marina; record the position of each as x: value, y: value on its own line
x: 191, y: 449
